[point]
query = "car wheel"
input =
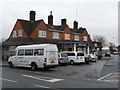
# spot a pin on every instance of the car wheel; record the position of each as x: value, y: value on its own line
x: 33, y: 66
x: 10, y: 64
x: 71, y: 62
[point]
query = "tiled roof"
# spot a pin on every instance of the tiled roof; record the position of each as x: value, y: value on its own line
x: 56, y: 27
x: 29, y: 26
x: 79, y: 31
x: 32, y: 40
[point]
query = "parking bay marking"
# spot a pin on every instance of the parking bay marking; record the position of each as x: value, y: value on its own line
x: 108, y: 75
x: 46, y: 87
x: 8, y: 80
x: 41, y: 86
x: 47, y: 79
x: 104, y: 76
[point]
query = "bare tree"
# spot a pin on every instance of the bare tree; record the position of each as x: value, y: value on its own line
x: 112, y: 47
x: 102, y: 42
x: 101, y: 39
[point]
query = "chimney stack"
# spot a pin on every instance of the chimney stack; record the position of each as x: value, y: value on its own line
x: 75, y: 25
x: 32, y: 16
x: 50, y: 19
x: 63, y: 21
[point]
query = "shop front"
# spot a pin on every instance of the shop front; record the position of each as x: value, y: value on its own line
x: 74, y: 46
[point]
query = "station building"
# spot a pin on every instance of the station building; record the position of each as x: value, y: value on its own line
x: 33, y: 31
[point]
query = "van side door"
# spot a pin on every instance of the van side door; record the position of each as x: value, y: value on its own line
x: 20, y: 57
x: 71, y: 56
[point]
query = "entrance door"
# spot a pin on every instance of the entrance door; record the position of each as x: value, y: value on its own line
x: 69, y: 49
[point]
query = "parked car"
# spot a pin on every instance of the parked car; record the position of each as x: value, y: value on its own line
x: 90, y: 58
x: 107, y: 54
x: 63, y: 58
x: 115, y: 53
x: 35, y: 56
x: 75, y: 57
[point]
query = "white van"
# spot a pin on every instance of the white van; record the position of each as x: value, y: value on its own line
x: 75, y: 57
x: 35, y: 56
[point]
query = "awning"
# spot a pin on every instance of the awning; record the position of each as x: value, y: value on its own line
x: 71, y: 44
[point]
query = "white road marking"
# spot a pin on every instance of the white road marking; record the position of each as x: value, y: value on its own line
x: 47, y: 79
x: 41, y: 86
x: 110, y: 80
x: 104, y: 76
x: 46, y: 87
x: 8, y: 80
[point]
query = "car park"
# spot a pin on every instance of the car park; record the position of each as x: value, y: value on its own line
x: 62, y: 58
x: 75, y: 57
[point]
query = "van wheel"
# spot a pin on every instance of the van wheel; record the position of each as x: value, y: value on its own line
x: 10, y: 65
x: 33, y: 66
x: 71, y: 62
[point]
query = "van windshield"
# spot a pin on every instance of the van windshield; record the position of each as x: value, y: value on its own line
x: 80, y: 54
x: 13, y: 53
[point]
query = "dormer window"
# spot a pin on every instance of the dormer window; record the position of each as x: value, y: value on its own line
x: 67, y: 36
x: 55, y: 35
x: 20, y: 33
x: 76, y: 37
x: 41, y: 33
x: 84, y: 38
x: 14, y: 33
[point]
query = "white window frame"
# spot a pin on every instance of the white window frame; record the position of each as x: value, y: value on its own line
x: 66, y: 36
x: 85, y: 38
x: 42, y: 33
x: 14, y: 33
x: 55, y: 35
x: 20, y: 33
x: 76, y: 37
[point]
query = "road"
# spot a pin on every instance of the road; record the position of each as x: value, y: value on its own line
x: 94, y: 75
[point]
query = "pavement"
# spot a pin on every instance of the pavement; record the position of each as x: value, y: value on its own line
x: 3, y: 63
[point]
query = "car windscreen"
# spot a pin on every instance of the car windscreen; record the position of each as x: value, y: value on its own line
x: 64, y: 55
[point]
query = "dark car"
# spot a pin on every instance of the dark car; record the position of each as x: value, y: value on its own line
x: 107, y: 54
x: 88, y: 58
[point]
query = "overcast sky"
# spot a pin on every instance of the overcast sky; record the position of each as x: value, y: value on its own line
x: 99, y: 17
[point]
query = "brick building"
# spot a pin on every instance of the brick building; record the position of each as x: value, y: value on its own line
x: 37, y: 32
